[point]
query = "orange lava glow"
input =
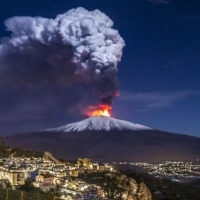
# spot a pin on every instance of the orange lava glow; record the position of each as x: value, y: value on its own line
x: 101, y: 110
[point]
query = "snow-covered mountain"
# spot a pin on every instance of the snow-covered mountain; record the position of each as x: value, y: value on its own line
x: 100, y: 124
x: 110, y: 140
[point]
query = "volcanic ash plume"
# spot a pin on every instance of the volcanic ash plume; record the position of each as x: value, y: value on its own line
x: 77, y: 46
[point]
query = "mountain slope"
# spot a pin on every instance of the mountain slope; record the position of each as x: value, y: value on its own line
x: 117, y: 144
x: 100, y: 124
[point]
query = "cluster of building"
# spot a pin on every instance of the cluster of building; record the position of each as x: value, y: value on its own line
x: 47, y: 173
x: 172, y: 169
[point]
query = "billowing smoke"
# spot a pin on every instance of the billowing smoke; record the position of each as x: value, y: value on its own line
x: 77, y: 47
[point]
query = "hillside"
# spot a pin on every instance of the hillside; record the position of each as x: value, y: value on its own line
x: 6, y: 151
x: 126, y: 145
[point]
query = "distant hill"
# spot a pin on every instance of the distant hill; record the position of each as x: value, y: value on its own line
x: 6, y: 151
x: 131, y: 143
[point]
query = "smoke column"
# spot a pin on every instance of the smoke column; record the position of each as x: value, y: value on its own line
x: 77, y: 46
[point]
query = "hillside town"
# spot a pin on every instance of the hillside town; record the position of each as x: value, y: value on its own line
x: 48, y: 173
x: 76, y: 180
x: 30, y: 175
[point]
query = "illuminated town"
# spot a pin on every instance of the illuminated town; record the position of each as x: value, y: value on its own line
x: 82, y: 179
x: 47, y: 173
x: 174, y: 170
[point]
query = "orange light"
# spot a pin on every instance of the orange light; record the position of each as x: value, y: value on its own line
x: 101, y: 110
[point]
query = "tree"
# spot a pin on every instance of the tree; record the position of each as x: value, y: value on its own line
x: 28, y: 185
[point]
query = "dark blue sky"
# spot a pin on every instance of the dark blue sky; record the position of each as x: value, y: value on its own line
x: 159, y: 73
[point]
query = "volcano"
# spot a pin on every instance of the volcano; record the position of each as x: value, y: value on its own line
x: 109, y: 139
x: 100, y: 124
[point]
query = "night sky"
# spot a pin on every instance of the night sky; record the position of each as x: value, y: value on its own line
x: 159, y: 73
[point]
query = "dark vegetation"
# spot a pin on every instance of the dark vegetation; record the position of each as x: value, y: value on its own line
x: 168, y: 190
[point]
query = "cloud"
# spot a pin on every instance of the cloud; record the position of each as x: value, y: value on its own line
x: 159, y: 1
x: 79, y: 46
x: 154, y: 100
x: 51, y: 67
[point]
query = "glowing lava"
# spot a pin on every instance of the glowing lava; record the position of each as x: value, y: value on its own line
x: 101, y: 110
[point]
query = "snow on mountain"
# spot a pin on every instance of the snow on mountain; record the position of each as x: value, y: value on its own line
x: 100, y: 124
